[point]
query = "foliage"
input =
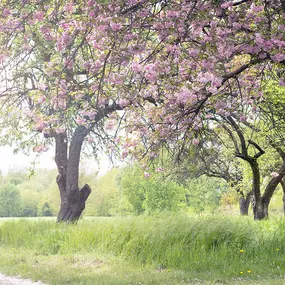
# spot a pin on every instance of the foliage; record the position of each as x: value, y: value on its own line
x: 45, y: 210
x: 29, y: 208
x: 68, y: 68
x: 204, y: 193
x: 150, y: 191
x: 10, y: 201
x: 105, y: 199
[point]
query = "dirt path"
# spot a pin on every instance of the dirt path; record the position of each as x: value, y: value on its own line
x: 7, y: 280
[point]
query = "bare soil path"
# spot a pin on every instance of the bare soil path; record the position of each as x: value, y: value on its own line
x: 8, y: 280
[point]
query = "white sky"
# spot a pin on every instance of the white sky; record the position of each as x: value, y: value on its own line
x: 9, y: 161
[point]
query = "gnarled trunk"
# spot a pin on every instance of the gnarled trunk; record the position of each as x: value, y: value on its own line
x: 67, y: 160
x: 72, y: 206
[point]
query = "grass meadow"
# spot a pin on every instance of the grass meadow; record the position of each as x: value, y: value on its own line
x: 165, y: 249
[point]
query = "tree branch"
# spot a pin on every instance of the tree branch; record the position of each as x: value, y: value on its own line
x: 261, y: 151
x: 244, y: 153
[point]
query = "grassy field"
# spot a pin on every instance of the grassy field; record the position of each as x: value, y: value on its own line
x: 146, y: 250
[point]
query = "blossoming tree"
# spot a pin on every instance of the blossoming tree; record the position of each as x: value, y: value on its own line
x: 67, y: 67
x: 212, y: 58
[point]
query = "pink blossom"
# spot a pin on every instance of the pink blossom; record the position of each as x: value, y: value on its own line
x: 205, y: 77
x: 60, y: 130
x: 278, y: 57
x: 146, y: 174
x: 69, y: 7
x: 6, y: 12
x: 90, y: 2
x: 125, y: 154
x: 91, y: 14
x: 102, y: 28
x: 2, y: 57
x: 41, y: 148
x: 129, y: 37
x: 109, y: 125
x: 274, y: 174
x: 212, y: 89
x: 124, y: 102
x: 195, y: 141
x: 208, y: 65
x: 136, y: 67
x: 42, y: 86
x: 69, y: 63
x: 221, y: 111
x: 279, y: 43
x: 259, y: 40
x: 59, y: 46
x: 62, y: 104
x: 86, y: 65
x: 151, y: 76
x: 39, y: 16
x: 41, y: 99
x: 90, y: 140
x: 80, y: 121
x: 227, y: 5
x: 256, y: 9
x: 217, y: 81
x: 40, y: 126
x: 115, y: 26
x: 159, y: 169
x: 242, y: 118
x: 185, y: 95
x: 281, y: 82
x: 66, y: 38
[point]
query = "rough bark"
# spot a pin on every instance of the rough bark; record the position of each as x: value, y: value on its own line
x: 67, y: 160
x: 258, y: 206
x: 260, y: 209
x: 283, y: 199
x: 244, y: 203
x: 72, y: 206
x: 283, y: 189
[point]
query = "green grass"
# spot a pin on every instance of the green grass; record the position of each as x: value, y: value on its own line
x: 146, y: 250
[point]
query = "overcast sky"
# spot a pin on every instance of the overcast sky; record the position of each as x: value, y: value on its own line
x: 9, y: 161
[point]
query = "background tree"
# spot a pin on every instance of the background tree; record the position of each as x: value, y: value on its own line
x: 10, y: 201
x: 150, y: 191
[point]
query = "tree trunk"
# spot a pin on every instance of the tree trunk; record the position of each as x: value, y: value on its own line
x: 244, y: 203
x: 283, y: 203
x: 271, y: 186
x: 258, y: 205
x: 283, y: 199
x: 72, y: 206
x: 260, y: 210
x: 67, y: 161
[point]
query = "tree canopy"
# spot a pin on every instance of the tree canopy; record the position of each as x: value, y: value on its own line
x: 169, y: 66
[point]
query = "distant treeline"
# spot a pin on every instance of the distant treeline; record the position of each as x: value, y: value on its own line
x: 122, y: 191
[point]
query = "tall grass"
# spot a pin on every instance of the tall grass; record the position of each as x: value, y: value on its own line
x: 220, y: 245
